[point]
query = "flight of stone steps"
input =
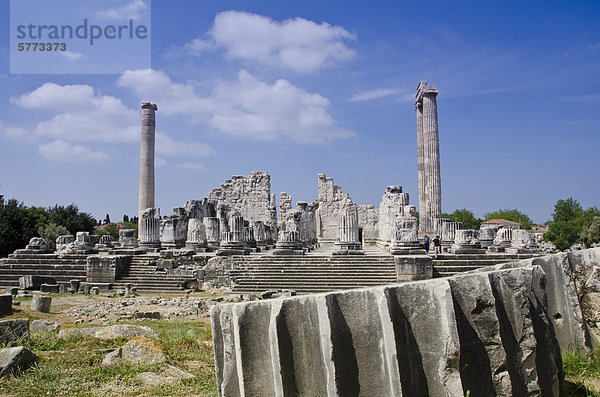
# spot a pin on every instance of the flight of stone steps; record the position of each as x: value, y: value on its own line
x: 448, y: 264
x: 311, y: 273
x: 63, y: 268
x: 143, y: 274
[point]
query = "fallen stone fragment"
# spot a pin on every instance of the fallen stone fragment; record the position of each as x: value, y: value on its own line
x: 139, y: 350
x: 125, y: 331
x: 5, y: 304
x: 169, y: 376
x: 43, y: 326
x: 14, y: 360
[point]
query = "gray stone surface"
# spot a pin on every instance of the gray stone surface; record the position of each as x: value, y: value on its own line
x: 14, y: 360
x: 43, y: 326
x: 139, y: 350
x: 413, y: 267
x: 147, y: 140
x: 428, y: 153
x: 124, y: 331
x: 127, y: 238
x: 149, y: 229
x: 50, y: 288
x: 105, y: 268
x: 410, y: 339
x: 41, y: 303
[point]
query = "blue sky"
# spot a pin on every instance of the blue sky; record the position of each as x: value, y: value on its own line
x: 298, y: 88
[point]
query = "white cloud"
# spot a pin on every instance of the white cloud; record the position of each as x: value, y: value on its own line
x: 83, y: 115
x: 297, y: 44
x: 251, y: 108
x: 60, y: 150
x: 167, y: 146
x: 73, y: 56
x: 197, y: 46
x: 133, y: 10
x: 191, y: 166
x: 245, y: 107
x: 374, y: 94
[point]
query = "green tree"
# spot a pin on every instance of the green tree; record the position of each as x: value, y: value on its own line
x: 111, y: 229
x: 50, y: 233
x: 511, y: 215
x: 591, y: 233
x: 12, y: 234
x: 71, y: 218
x: 568, y: 222
x: 468, y: 219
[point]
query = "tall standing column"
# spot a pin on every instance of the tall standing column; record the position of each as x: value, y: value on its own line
x: 420, y: 156
x: 430, y: 181
x: 146, y: 191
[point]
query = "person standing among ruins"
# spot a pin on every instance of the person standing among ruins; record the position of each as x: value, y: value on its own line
x: 437, y: 245
x: 426, y: 243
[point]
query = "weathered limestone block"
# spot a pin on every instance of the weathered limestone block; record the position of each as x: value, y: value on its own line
x: 248, y: 195
x: 289, y: 240
x: 37, y: 245
x: 466, y: 241
x: 502, y: 240
x: 63, y: 241
x: 391, y: 207
x: 331, y: 202
x: 522, y: 242
x: 285, y: 206
x: 307, y: 225
x: 486, y: 332
x: 486, y: 235
x: 173, y: 229
x: 105, y: 269
x: 406, y: 238
x: 105, y: 242
x: 127, y: 238
x: 413, y: 267
x: 14, y: 360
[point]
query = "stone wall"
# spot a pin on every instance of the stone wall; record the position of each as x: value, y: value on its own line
x: 487, y: 333
x: 105, y: 268
x: 248, y: 195
x: 368, y: 221
x: 331, y: 202
x: 392, y: 206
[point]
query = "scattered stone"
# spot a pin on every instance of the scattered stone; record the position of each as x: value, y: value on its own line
x: 51, y: 288
x: 41, y: 303
x: 14, y: 360
x: 95, y: 291
x: 138, y: 350
x: 169, y: 376
x: 5, y: 304
x: 280, y: 293
x: 65, y: 333
x: 125, y: 331
x: 13, y: 331
x: 147, y: 315
x: 43, y: 326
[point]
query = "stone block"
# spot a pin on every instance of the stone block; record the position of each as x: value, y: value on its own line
x: 105, y: 269
x: 415, y: 267
x: 43, y: 326
x: 52, y: 288
x: 5, y: 304
x: 41, y: 303
x: 35, y: 282
x: 484, y: 332
x: 14, y: 360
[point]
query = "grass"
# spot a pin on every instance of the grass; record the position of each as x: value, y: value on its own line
x: 580, y: 369
x: 72, y: 366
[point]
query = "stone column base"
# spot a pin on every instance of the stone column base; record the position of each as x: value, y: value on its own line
x: 347, y: 248
x: 406, y: 248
